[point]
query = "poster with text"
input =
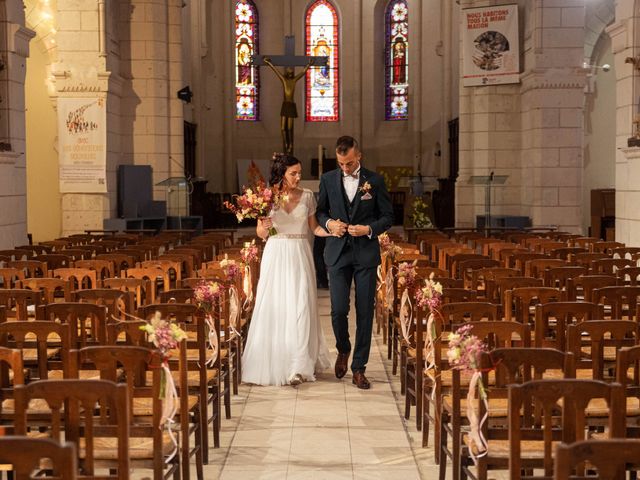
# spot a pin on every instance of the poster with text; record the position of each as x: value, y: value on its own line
x: 82, y: 142
x: 491, y: 46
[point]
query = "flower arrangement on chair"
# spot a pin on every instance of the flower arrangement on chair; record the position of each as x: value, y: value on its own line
x: 166, y: 336
x: 231, y: 269
x: 206, y: 295
x: 388, y: 247
x: 430, y: 297
x: 462, y: 354
x: 256, y: 203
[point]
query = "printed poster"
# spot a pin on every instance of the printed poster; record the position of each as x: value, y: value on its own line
x: 491, y: 46
x: 82, y: 139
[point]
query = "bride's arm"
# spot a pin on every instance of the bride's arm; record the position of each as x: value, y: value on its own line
x: 317, y: 230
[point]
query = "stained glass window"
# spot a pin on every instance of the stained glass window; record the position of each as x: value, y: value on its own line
x: 322, y: 83
x: 396, y: 60
x: 247, y: 78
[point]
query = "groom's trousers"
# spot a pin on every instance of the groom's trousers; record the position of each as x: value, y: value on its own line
x: 340, y: 277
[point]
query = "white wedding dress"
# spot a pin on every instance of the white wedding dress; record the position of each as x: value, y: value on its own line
x: 285, y: 336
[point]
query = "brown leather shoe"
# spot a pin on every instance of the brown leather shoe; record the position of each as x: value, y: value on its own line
x: 341, y: 364
x: 360, y: 381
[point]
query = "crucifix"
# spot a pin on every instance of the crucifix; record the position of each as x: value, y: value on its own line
x: 288, y: 112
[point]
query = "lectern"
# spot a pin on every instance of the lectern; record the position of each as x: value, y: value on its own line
x: 488, y: 181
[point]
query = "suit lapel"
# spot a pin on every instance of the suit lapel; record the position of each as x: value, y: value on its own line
x: 356, y: 199
x: 340, y: 194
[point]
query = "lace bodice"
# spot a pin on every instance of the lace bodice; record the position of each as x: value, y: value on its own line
x: 296, y: 221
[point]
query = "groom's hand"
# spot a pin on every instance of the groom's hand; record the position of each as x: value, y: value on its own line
x: 359, y: 230
x: 337, y: 227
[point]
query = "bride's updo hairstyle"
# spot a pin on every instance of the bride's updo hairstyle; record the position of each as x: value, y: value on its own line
x: 281, y: 161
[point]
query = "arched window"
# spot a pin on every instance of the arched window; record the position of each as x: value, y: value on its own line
x: 322, y: 83
x: 247, y: 77
x: 396, y: 60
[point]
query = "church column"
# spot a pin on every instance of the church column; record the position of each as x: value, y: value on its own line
x: 87, y: 46
x: 14, y: 49
x: 152, y: 63
x: 625, y: 43
x: 552, y: 114
x: 489, y: 141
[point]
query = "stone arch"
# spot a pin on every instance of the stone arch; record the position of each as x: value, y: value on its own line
x: 598, y: 16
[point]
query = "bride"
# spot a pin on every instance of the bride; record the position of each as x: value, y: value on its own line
x: 285, y: 344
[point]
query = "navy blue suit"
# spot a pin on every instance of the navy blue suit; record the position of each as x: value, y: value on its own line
x: 354, y: 258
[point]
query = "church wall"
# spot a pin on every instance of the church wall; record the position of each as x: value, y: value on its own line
x: 600, y: 128
x: 362, y: 91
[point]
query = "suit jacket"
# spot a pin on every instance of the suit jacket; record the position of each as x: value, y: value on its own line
x: 376, y: 212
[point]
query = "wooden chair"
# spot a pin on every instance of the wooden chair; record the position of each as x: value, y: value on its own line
x: 629, y: 276
x: 456, y: 313
x: 605, y: 247
x: 31, y: 268
x: 76, y: 254
x: 458, y: 295
x: 550, y: 334
x: 611, y: 458
x: 584, y: 242
x: 520, y: 260
x: 609, y: 266
x: 208, y: 370
x: 536, y: 268
x: 26, y: 456
x: 119, y: 303
x: 467, y: 268
x: 186, y: 261
x: 19, y: 302
x: 78, y: 278
x: 51, y: 288
x: 36, y: 249
x: 177, y: 295
x: 507, y: 366
x: 92, y: 414
x: 625, y: 252
x: 488, y: 277
x: 595, y: 343
x: 567, y: 253
x: 519, y: 301
x: 120, y: 261
x: 494, y: 335
x: 628, y: 375
x: 87, y: 321
x: 157, y: 277
x: 10, y: 277
x: 103, y: 268
x: 558, y: 277
x: 622, y: 300
x: 140, y: 288
x: 17, y: 254
x: 587, y: 259
x: 133, y: 364
x: 581, y: 288
x: 171, y: 268
x: 534, y: 428
x: 503, y: 284
x: 55, y: 260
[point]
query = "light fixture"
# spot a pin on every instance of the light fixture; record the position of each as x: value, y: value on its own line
x: 606, y: 67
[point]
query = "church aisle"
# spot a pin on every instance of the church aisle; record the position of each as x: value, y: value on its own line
x: 323, y: 430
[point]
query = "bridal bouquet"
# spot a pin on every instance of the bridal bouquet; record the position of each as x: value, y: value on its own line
x: 256, y: 203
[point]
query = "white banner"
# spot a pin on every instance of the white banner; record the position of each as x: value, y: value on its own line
x: 82, y: 145
x: 491, y: 45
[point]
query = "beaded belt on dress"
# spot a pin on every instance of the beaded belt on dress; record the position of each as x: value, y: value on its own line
x: 290, y: 235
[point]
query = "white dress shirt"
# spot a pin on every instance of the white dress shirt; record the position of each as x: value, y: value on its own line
x: 351, y: 184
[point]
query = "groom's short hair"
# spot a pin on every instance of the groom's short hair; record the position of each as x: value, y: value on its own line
x: 346, y: 143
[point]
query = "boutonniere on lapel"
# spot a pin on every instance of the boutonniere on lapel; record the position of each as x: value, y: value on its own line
x: 365, y: 190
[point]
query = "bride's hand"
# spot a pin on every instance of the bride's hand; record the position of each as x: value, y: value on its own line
x: 267, y: 222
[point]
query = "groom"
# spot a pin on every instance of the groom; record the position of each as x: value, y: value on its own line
x: 353, y: 205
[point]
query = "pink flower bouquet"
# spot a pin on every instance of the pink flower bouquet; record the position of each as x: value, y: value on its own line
x: 256, y: 203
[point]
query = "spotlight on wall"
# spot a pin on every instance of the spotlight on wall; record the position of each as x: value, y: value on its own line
x: 606, y: 67
x: 185, y: 94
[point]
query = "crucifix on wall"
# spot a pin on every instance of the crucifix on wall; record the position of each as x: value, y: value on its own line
x: 288, y: 78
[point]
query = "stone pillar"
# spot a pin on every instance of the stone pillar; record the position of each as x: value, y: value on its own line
x: 85, y: 41
x: 152, y: 115
x: 626, y: 44
x: 552, y: 115
x: 530, y: 132
x: 14, y: 49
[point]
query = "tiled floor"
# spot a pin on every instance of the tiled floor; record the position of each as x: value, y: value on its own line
x: 323, y: 430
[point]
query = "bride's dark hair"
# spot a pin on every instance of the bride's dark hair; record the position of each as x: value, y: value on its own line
x: 281, y: 161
